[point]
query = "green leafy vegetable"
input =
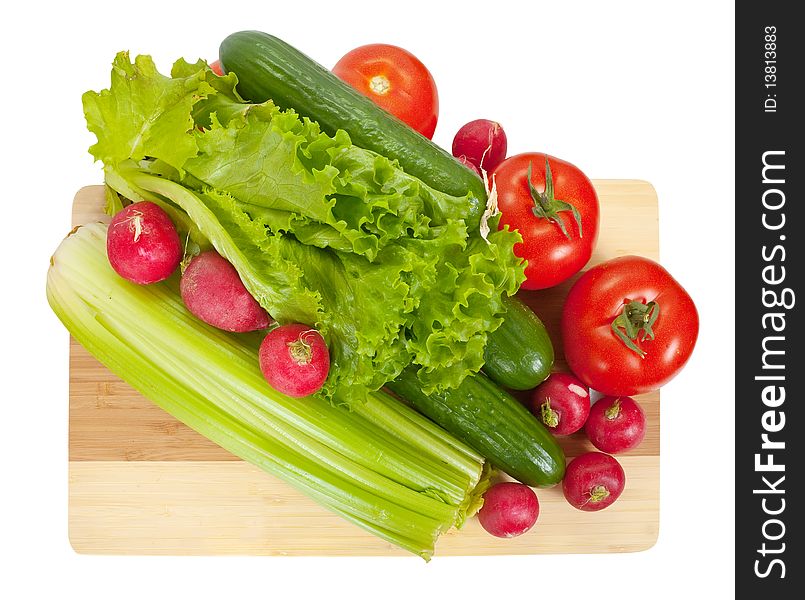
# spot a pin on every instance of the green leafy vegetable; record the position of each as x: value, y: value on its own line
x: 321, y: 231
x: 379, y: 465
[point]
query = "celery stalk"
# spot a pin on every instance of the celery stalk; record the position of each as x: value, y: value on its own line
x: 380, y: 466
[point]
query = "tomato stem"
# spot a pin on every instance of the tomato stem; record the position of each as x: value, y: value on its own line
x: 636, y: 321
x: 546, y: 206
x: 380, y: 85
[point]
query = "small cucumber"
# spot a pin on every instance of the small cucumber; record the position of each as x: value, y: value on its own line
x: 519, y: 353
x: 491, y: 422
x: 267, y: 68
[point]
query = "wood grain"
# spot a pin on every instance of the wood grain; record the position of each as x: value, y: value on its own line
x: 234, y: 508
x: 141, y: 482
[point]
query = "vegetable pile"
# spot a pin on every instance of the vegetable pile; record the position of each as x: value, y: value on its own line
x: 321, y: 231
x: 287, y: 246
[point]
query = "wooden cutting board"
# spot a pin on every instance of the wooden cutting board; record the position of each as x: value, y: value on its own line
x: 141, y: 482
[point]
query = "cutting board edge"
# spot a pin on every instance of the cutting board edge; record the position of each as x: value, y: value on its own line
x: 187, y: 515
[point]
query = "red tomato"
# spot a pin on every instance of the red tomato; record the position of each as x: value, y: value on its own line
x: 628, y: 326
x: 556, y: 212
x: 396, y: 81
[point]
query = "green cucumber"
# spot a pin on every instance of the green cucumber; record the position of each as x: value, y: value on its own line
x: 518, y: 354
x: 267, y: 68
x: 492, y: 423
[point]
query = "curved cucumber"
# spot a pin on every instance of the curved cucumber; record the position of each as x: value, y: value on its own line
x: 492, y: 423
x: 518, y: 354
x: 267, y: 68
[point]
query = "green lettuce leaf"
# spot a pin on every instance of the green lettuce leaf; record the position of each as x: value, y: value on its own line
x: 321, y: 231
x: 144, y: 113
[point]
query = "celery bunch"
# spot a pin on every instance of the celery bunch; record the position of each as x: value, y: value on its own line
x: 380, y: 465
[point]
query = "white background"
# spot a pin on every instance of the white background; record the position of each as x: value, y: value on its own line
x: 622, y: 89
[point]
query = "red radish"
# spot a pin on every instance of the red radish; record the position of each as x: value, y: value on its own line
x: 483, y: 142
x: 510, y: 509
x: 142, y: 243
x: 294, y: 360
x: 212, y: 290
x: 593, y: 481
x: 561, y: 403
x: 616, y: 424
x: 466, y: 162
x: 217, y: 68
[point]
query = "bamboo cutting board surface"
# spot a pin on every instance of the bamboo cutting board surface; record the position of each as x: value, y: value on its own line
x: 141, y: 482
